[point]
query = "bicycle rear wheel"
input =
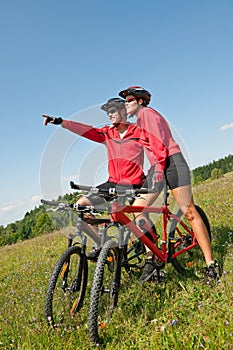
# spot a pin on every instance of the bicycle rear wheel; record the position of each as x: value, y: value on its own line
x: 179, y: 239
x: 105, y: 289
x: 67, y: 287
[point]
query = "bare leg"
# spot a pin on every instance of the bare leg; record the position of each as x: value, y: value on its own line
x: 150, y: 268
x: 184, y: 198
x: 145, y: 200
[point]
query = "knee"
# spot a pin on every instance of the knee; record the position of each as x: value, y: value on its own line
x: 189, y: 213
x: 83, y: 201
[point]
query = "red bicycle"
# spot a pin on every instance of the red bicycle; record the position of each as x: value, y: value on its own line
x: 176, y: 246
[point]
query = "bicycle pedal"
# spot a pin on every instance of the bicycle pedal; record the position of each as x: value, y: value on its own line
x: 154, y: 276
x: 158, y: 263
x: 158, y: 276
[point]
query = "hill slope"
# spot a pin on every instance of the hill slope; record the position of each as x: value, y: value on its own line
x: 181, y: 314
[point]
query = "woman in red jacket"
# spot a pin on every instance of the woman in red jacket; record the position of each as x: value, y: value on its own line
x: 167, y: 163
x: 124, y: 150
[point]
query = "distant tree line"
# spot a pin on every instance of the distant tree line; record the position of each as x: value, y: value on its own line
x: 38, y: 221
x: 43, y: 220
x: 213, y: 170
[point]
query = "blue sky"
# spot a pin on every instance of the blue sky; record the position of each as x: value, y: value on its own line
x: 67, y: 57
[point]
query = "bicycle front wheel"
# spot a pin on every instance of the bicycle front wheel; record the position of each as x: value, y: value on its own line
x: 66, y: 288
x: 179, y: 239
x: 105, y: 289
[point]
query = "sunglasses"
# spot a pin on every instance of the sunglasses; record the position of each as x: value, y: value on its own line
x: 112, y: 110
x: 130, y: 99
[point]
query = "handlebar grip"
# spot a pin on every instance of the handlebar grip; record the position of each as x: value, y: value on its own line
x: 79, y: 187
x: 58, y: 205
x: 144, y: 191
x: 52, y: 203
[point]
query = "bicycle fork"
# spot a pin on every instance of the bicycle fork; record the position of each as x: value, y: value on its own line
x: 117, y: 278
x: 76, y: 283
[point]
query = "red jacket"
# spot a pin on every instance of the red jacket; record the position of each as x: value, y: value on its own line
x: 125, y: 156
x: 156, y: 137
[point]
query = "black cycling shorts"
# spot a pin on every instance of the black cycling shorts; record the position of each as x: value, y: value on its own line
x: 177, y: 173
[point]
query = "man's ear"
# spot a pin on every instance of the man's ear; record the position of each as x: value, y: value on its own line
x: 123, y: 113
x: 140, y: 101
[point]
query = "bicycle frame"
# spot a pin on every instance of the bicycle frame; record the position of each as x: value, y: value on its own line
x: 118, y: 214
x: 176, y: 238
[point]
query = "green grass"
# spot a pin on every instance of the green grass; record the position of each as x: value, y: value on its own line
x: 179, y: 314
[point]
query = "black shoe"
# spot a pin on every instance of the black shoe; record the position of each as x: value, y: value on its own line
x: 93, y: 254
x: 213, y: 272
x: 150, y: 270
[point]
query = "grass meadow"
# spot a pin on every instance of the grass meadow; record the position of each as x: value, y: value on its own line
x: 178, y: 314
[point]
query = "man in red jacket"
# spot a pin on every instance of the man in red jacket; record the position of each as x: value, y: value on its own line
x: 124, y: 150
x: 167, y: 163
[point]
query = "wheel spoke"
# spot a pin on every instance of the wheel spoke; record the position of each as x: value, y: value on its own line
x: 67, y: 288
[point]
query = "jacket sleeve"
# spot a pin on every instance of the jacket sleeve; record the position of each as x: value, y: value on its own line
x: 155, y: 128
x: 84, y: 130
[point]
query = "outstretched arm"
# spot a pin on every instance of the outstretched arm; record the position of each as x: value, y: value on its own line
x: 84, y: 130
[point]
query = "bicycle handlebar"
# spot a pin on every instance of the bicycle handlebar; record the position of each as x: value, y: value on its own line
x: 59, y: 205
x: 111, y: 190
x: 101, y: 191
x: 62, y: 206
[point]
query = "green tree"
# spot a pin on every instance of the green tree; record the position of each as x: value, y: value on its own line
x: 24, y: 230
x: 43, y: 224
x: 2, y: 235
x: 9, y: 234
x: 197, y: 179
x: 216, y: 173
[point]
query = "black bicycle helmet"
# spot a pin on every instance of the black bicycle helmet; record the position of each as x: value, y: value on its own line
x: 138, y: 92
x: 113, y: 102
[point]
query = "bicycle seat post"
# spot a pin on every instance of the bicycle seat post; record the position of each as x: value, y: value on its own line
x: 103, y: 233
x: 78, y: 231
x: 121, y: 231
x: 165, y: 194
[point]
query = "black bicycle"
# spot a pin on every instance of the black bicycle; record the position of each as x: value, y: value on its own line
x: 67, y: 286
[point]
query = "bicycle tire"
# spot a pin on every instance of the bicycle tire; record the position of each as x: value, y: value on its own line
x: 67, y: 287
x: 105, y: 289
x: 191, y: 258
